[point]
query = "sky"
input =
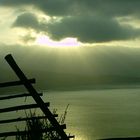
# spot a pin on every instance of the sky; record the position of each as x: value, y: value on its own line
x: 84, y: 22
x: 71, y: 37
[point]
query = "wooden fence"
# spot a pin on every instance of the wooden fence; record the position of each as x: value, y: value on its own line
x: 47, y: 114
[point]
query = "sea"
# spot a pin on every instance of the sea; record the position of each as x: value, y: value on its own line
x: 91, y: 114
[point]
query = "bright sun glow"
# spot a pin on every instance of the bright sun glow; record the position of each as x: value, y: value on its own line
x: 67, y: 42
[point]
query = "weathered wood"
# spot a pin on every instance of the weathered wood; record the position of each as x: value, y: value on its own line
x: 21, y: 107
x: 17, y: 96
x: 37, y: 98
x: 15, y: 83
x: 14, y: 133
x: 24, y: 119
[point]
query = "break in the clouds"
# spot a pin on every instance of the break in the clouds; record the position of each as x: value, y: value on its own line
x: 87, y: 20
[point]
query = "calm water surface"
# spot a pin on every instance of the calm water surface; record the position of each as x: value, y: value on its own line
x: 92, y: 114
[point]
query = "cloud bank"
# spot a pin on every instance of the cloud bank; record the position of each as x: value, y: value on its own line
x: 88, y: 20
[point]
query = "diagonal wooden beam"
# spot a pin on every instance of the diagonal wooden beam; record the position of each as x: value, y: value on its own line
x: 15, y: 83
x: 37, y: 98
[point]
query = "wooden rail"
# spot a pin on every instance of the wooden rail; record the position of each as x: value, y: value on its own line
x: 24, y: 119
x: 17, y: 96
x: 21, y: 107
x: 15, y: 83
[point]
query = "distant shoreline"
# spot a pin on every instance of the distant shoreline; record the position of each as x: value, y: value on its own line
x: 76, y: 88
x: 99, y: 87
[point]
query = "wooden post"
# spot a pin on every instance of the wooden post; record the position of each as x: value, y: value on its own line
x: 37, y: 98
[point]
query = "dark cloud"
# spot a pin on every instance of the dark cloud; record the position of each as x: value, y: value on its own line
x: 86, y: 28
x: 29, y: 20
x: 87, y: 20
x: 65, y: 7
x: 91, y: 29
x: 51, y: 7
x: 26, y: 20
x: 16, y: 2
x: 110, y: 7
x: 57, y: 8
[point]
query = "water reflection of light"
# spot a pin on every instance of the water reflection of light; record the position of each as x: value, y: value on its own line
x: 79, y: 134
x: 80, y: 138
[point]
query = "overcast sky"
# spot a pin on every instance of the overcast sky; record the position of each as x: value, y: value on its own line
x: 86, y: 21
x: 72, y: 36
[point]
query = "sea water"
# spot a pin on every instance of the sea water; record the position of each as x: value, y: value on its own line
x: 92, y: 114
